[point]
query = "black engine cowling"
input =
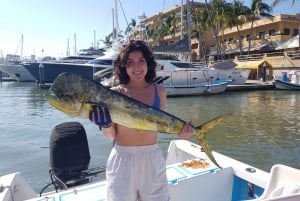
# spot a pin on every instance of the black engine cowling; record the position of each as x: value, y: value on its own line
x: 69, y: 153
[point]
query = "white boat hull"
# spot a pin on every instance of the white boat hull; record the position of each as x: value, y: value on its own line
x: 202, y: 75
x: 286, y: 85
x: 196, y: 89
x: 17, y: 72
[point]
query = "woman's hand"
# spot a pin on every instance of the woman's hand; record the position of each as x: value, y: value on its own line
x: 100, y: 116
x: 187, y: 130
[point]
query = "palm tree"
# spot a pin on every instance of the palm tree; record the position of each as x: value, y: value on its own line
x: 221, y: 18
x: 201, y: 25
x: 258, y: 9
x: 276, y: 2
x: 213, y: 9
x: 171, y: 23
x: 160, y: 30
x: 108, y: 41
x: 166, y: 25
x: 236, y: 13
x: 130, y: 28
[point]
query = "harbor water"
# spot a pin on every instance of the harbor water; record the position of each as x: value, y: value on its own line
x: 264, y: 128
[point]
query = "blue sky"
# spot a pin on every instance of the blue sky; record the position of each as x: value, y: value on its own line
x: 48, y: 24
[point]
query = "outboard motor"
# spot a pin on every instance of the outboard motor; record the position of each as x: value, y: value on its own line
x: 69, y: 155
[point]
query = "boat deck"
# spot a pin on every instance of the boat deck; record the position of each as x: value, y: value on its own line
x: 252, y: 85
x: 176, y: 173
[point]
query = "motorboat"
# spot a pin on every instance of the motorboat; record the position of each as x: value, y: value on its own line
x: 47, y: 71
x: 12, y: 66
x: 288, y: 82
x: 191, y: 176
x: 184, y: 72
x: 17, y: 72
x: 206, y: 88
x: 82, y: 64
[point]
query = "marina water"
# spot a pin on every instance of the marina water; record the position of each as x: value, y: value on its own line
x: 264, y: 128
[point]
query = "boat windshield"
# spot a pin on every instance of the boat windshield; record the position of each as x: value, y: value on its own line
x: 101, y: 61
x: 182, y: 64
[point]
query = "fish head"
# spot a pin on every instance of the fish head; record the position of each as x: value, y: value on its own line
x: 69, y: 96
x: 69, y: 105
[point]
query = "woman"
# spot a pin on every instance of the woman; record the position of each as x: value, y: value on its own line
x: 136, y: 168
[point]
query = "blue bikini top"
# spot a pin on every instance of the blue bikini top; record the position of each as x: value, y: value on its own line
x: 156, y: 103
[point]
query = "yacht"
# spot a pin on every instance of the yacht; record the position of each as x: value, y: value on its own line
x: 180, y: 73
x: 82, y: 64
x: 12, y: 67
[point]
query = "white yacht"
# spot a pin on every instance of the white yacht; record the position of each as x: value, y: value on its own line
x: 13, y: 67
x: 185, y: 73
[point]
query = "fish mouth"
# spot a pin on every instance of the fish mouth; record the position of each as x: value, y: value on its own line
x: 69, y: 105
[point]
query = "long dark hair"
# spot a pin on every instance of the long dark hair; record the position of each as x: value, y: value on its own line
x: 120, y: 62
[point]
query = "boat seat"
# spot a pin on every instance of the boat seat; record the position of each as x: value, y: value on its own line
x: 70, y: 156
x: 284, y: 184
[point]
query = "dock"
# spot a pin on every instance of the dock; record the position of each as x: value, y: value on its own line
x: 252, y: 85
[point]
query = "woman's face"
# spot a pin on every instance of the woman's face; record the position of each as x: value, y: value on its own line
x: 136, y: 66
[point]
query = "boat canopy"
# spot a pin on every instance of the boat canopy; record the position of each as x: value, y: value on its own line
x: 291, y: 43
x: 265, y: 47
x: 252, y: 65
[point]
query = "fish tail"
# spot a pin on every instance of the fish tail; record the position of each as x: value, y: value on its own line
x: 201, y: 132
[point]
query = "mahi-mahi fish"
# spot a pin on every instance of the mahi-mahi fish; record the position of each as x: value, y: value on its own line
x: 75, y: 95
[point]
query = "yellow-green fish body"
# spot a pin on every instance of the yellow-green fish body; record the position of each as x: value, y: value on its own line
x: 74, y: 96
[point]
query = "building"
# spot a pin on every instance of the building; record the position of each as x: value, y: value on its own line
x: 267, y: 35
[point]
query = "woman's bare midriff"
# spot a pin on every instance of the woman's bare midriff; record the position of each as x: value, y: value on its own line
x: 131, y: 137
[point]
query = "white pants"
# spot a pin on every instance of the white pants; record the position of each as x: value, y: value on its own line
x: 136, y: 173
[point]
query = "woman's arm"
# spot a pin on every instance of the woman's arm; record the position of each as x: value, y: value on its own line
x: 110, y: 132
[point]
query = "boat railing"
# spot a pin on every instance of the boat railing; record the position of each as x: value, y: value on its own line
x: 286, y: 58
x: 279, y: 55
x: 200, y: 63
x: 251, y: 57
x: 294, y: 54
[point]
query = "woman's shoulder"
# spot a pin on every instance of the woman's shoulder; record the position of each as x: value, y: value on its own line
x: 161, y: 89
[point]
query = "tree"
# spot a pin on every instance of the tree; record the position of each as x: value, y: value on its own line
x: 237, y: 16
x: 130, y: 28
x: 108, y: 41
x: 212, y: 9
x: 167, y: 24
x: 258, y: 9
x: 201, y: 25
x: 220, y: 18
x: 276, y: 2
